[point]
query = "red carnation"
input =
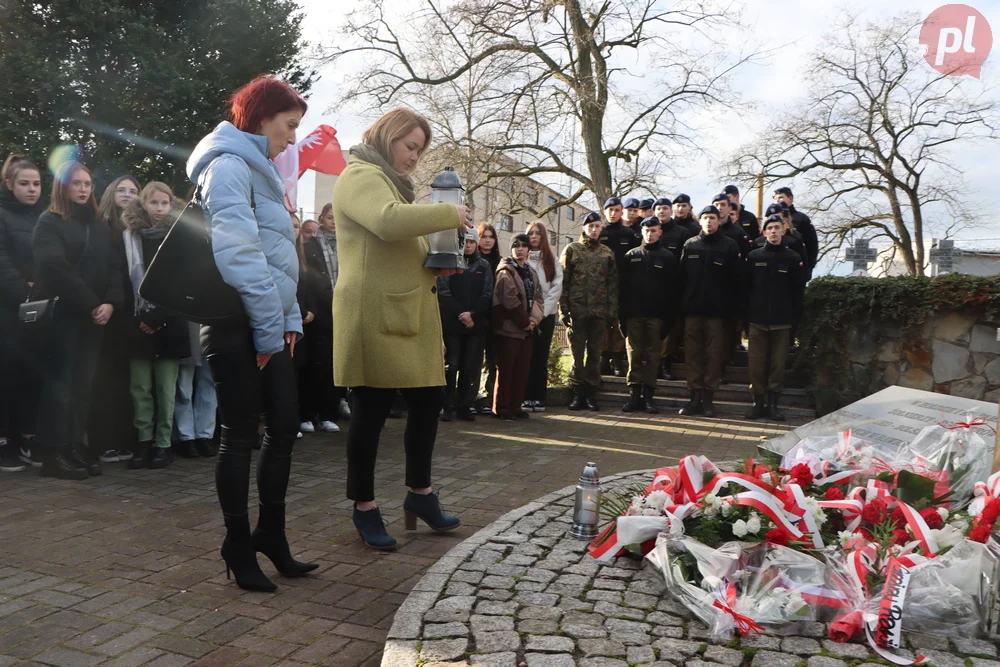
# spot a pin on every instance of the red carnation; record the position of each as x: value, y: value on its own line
x: 779, y: 536
x: 833, y: 493
x: 980, y: 534
x: 875, y: 512
x: 931, y: 517
x: 801, y: 474
x: 990, y: 512
x: 897, y: 516
x: 900, y: 537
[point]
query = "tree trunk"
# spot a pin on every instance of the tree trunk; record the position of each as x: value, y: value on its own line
x: 918, y: 229
x: 905, y: 244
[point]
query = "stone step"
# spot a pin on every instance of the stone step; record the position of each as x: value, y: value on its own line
x: 737, y: 375
x: 614, y: 400
x: 792, y: 396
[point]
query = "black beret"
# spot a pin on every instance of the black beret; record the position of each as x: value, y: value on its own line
x: 662, y: 201
x: 631, y: 202
x: 708, y: 209
x: 682, y: 199
x: 592, y: 217
x: 651, y: 221
x: 731, y: 190
x: 722, y: 196
x: 647, y: 203
x: 776, y: 207
x: 614, y: 201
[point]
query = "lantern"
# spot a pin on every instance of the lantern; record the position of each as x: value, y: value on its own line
x: 587, y: 503
x: 447, y: 249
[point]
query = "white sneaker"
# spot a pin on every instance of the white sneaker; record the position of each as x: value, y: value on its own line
x: 115, y: 455
x: 329, y: 427
x: 307, y: 427
x: 298, y: 435
x: 537, y: 406
x: 345, y: 409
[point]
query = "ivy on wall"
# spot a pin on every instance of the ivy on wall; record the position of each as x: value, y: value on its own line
x: 837, y: 310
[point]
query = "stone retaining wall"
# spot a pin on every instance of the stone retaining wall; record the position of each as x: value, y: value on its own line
x: 954, y: 353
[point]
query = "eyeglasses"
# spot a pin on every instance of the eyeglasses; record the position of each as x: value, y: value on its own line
x: 126, y: 191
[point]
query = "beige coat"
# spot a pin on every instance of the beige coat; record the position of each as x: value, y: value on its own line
x: 387, y: 329
x: 511, y: 313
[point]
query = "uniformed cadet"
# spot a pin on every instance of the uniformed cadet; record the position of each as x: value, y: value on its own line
x: 649, y: 302
x: 589, y: 306
x: 682, y: 214
x: 672, y: 239
x: 746, y: 219
x: 743, y: 242
x: 803, y: 225
x: 777, y: 280
x: 632, y: 215
x: 710, y: 266
x: 646, y: 208
x: 791, y: 238
x: 619, y: 238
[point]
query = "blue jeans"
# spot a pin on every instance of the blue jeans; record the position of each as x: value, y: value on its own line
x: 194, y: 417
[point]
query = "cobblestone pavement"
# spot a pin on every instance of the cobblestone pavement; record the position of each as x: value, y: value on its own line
x: 521, y: 593
x: 123, y: 570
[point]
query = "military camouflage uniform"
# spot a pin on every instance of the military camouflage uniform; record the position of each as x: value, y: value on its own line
x: 589, y: 302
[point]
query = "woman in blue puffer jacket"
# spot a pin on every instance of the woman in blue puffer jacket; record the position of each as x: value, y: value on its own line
x: 254, y: 246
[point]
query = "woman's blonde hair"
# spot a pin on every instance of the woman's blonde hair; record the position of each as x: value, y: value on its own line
x: 155, y: 186
x: 395, y: 125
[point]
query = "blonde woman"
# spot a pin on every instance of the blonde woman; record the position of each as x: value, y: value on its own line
x: 387, y: 329
x: 158, y: 339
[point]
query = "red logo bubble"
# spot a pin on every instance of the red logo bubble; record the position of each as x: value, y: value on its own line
x: 957, y: 39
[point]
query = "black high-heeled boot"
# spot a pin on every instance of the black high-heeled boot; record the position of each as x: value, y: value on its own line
x: 241, y: 558
x: 427, y: 507
x: 273, y: 469
x: 269, y: 539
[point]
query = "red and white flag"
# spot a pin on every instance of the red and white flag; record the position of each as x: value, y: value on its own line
x: 319, y: 151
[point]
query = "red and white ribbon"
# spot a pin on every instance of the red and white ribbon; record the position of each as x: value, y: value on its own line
x: 692, y: 474
x: 920, y: 529
x: 769, y: 506
x: 983, y: 493
x: 808, y: 515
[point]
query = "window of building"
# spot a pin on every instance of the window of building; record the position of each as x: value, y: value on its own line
x: 571, y: 213
x: 552, y: 200
x: 553, y: 239
x: 506, y: 223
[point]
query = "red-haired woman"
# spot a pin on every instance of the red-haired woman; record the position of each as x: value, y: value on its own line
x: 254, y: 246
x: 20, y: 204
x: 549, y: 271
x: 74, y: 261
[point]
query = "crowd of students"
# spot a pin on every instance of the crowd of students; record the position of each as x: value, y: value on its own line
x: 92, y: 373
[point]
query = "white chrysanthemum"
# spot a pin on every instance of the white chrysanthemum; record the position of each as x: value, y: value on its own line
x: 740, y: 528
x: 657, y: 499
x: 727, y: 509
x: 817, y: 511
x: 753, y: 525
x: 844, y: 537
x: 650, y: 511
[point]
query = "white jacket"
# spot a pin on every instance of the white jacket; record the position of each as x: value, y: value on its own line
x: 550, y: 291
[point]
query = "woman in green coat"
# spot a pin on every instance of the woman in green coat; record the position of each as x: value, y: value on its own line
x: 387, y: 328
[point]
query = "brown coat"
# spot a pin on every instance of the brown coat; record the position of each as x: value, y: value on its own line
x: 510, y: 303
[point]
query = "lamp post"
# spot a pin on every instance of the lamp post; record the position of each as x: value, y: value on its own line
x: 447, y: 251
x: 587, y: 503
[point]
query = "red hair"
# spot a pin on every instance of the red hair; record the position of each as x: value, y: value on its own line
x: 262, y: 98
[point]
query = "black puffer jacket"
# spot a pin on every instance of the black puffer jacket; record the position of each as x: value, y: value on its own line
x: 712, y: 275
x: 17, y: 266
x: 777, y: 279
x: 82, y: 282
x: 468, y: 292
x: 172, y: 338
x: 674, y: 236
x: 791, y: 239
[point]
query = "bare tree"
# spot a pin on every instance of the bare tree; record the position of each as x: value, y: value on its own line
x: 873, y: 136
x: 553, y: 69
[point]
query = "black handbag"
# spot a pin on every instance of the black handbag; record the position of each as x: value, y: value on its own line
x: 39, y: 314
x: 183, y: 277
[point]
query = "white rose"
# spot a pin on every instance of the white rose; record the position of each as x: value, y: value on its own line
x: 713, y: 500
x: 947, y: 536
x: 943, y: 513
x: 727, y: 509
x: 740, y: 528
x: 753, y: 525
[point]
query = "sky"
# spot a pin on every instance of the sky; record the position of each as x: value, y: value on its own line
x: 792, y: 29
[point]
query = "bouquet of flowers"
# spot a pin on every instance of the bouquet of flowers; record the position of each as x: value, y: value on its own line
x: 832, y: 459
x: 746, y: 588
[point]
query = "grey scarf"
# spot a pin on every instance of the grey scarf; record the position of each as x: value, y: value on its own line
x: 136, y: 264
x: 371, y: 155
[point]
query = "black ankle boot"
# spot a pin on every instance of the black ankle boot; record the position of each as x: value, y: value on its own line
x: 577, y: 402
x: 427, y: 507
x: 647, y: 401
x: 204, y: 447
x: 757, y: 411
x: 85, y: 460
x: 634, y: 399
x: 372, y: 530
x: 693, y: 407
x: 772, y: 407
x: 707, y: 408
x: 590, y: 399
x: 186, y: 449
x: 665, y: 369
x: 140, y: 458
x: 61, y: 466
x: 269, y: 539
x: 241, y: 558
